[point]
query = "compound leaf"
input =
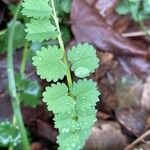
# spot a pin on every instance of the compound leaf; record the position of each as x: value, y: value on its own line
x: 75, y: 125
x: 40, y: 30
x: 49, y: 64
x: 57, y: 98
x: 36, y: 8
x: 83, y: 57
x: 9, y: 134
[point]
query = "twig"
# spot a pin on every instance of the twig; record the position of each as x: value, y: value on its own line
x: 135, y: 34
x: 138, y: 140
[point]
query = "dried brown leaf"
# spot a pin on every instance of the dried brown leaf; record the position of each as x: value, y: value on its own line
x: 88, y: 26
x: 134, y: 120
x: 106, y: 136
x: 128, y: 91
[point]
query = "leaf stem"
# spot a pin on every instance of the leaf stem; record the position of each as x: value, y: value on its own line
x: 24, y: 58
x: 12, y: 85
x: 69, y: 79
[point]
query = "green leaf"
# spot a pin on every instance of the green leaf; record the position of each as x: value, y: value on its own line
x: 9, y: 134
x: 63, y: 6
x: 29, y: 91
x: 72, y: 141
x: 82, y: 72
x: 18, y: 40
x: 36, y: 8
x: 134, y: 10
x: 123, y: 8
x: 83, y: 56
x: 57, y: 98
x: 86, y: 93
x: 12, y: 8
x: 138, y: 9
x: 146, y: 7
x: 66, y: 34
x: 49, y: 64
x: 35, y: 46
x: 3, y: 41
x: 40, y: 30
x: 65, y: 122
x: 66, y: 5
x: 30, y: 94
x: 80, y: 130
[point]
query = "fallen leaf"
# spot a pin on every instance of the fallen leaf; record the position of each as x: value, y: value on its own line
x: 129, y: 91
x: 106, y: 7
x: 88, y: 26
x: 133, y: 120
x: 46, y: 131
x: 36, y: 146
x: 106, y: 136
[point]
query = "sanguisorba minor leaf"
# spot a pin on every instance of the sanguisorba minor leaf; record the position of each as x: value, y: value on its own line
x: 75, y: 126
x: 86, y: 93
x: 36, y: 8
x: 57, y: 98
x: 40, y: 30
x: 49, y: 64
x: 83, y: 60
x: 9, y: 134
x: 72, y: 141
x: 73, y: 107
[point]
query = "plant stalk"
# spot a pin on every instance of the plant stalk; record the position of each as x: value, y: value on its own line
x: 61, y: 44
x: 24, y: 58
x: 12, y: 85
